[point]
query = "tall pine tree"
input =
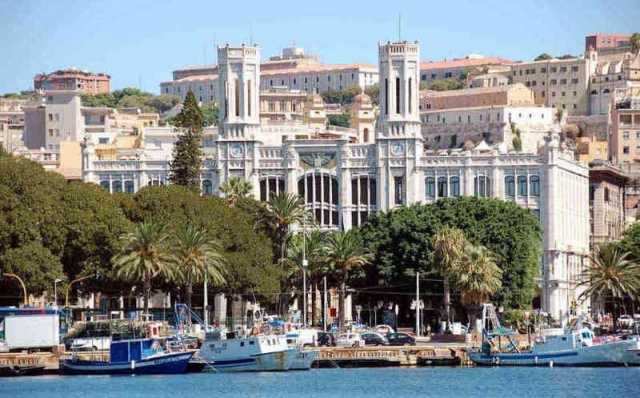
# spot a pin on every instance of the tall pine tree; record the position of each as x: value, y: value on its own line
x: 187, y: 155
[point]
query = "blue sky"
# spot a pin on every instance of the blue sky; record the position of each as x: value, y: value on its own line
x: 139, y: 42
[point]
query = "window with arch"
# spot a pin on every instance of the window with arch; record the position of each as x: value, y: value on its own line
x: 430, y: 187
x: 522, y: 186
x: 365, y: 135
x: 482, y: 186
x: 534, y: 185
x: 509, y: 186
x: 270, y: 186
x: 321, y: 196
x: 454, y: 185
x: 207, y: 187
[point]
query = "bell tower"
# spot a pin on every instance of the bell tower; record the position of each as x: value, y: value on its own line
x: 239, y: 113
x: 238, y: 88
x: 399, y: 137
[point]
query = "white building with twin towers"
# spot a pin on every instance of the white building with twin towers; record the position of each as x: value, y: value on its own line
x: 378, y: 164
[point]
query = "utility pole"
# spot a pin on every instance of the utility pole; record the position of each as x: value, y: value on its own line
x: 305, y: 263
x: 205, y: 305
x: 324, y: 304
x: 418, y: 304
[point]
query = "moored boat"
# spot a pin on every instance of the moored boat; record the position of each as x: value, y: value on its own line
x: 253, y: 353
x: 139, y: 356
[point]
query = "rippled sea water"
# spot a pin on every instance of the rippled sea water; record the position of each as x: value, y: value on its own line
x: 351, y: 383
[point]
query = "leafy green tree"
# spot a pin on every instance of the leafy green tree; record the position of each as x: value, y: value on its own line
x: 341, y: 120
x: 345, y: 252
x: 445, y: 84
x: 611, y: 275
x: 543, y: 57
x: 341, y: 97
x: 198, y: 257
x: 145, y: 256
x: 235, y: 189
x: 631, y: 241
x: 567, y: 56
x: 401, y: 241
x: 373, y: 92
x: 448, y: 247
x: 477, y: 278
x: 635, y: 42
x: 187, y: 154
x: 164, y: 102
x: 34, y: 264
x: 210, y: 114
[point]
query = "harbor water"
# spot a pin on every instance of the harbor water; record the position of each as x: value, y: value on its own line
x: 351, y: 383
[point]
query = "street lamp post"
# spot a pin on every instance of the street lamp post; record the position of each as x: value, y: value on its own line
x: 24, y: 288
x: 66, y: 299
x: 305, y: 263
x: 55, y: 291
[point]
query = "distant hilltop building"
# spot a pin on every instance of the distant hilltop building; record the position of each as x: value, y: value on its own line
x: 607, y: 44
x: 292, y: 69
x: 458, y: 68
x: 73, y: 79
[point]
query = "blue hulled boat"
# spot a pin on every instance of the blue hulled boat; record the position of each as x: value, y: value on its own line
x: 140, y: 356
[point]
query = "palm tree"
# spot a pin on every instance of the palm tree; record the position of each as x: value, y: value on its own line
x: 197, y: 256
x: 611, y: 274
x: 477, y: 278
x: 144, y: 256
x: 312, y: 246
x: 448, y: 246
x: 284, y: 210
x: 235, y: 188
x: 344, y: 252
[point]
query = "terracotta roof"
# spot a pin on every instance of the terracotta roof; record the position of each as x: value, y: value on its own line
x: 318, y: 69
x: 469, y: 91
x: 463, y: 62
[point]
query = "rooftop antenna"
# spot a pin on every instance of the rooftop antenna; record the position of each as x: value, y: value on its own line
x: 250, y: 34
x: 399, y: 27
x: 204, y: 53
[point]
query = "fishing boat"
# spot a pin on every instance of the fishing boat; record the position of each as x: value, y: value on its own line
x: 299, y: 342
x: 138, y: 356
x: 301, y: 358
x: 253, y: 353
x: 575, y: 347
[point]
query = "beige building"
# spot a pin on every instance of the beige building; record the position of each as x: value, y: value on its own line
x: 590, y: 148
x: 282, y: 104
x: 458, y: 68
x: 511, y: 95
x: 12, y: 123
x: 610, y: 76
x: 624, y: 131
x: 606, y: 202
x: 558, y: 83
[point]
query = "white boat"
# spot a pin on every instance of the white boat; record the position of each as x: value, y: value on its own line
x: 573, y: 348
x: 302, y: 359
x: 632, y: 354
x: 253, y: 353
x: 300, y: 341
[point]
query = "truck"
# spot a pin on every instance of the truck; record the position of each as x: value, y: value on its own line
x: 29, y: 328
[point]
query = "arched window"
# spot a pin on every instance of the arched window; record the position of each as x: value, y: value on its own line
x: 482, y: 186
x: 605, y: 91
x: 365, y: 136
x: 522, y: 186
x: 207, y: 187
x: 116, y: 186
x: 509, y: 186
x: 269, y: 186
x: 128, y: 186
x: 104, y: 184
x: 430, y: 187
x: 454, y: 184
x: 442, y: 187
x: 594, y: 92
x: 321, y: 195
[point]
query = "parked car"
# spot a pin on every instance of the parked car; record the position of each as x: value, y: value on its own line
x: 349, y: 340
x: 400, y: 339
x: 383, y: 329
x: 373, y: 338
x: 326, y: 339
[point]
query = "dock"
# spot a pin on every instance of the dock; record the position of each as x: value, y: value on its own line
x: 341, y: 357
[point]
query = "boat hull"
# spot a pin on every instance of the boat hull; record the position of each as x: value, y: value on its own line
x: 166, y: 364
x: 610, y: 354
x: 302, y: 359
x: 267, y: 362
